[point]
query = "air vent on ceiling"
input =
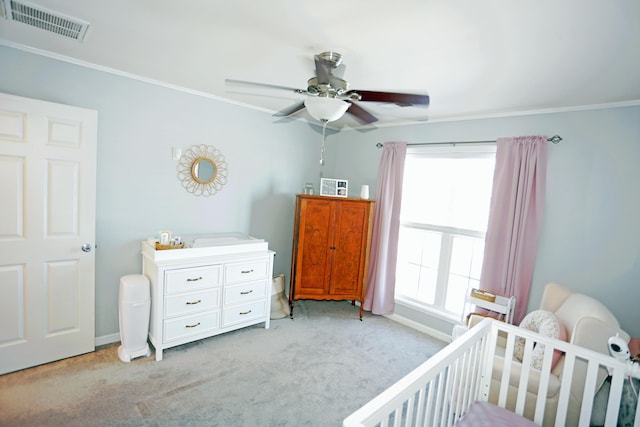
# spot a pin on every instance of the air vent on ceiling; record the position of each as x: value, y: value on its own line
x: 39, y: 17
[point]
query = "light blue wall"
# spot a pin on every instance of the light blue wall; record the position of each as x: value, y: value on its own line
x: 591, y: 234
x: 138, y: 192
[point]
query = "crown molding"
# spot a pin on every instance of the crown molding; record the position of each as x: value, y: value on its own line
x: 443, y: 119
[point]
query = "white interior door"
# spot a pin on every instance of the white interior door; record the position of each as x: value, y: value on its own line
x: 47, y: 215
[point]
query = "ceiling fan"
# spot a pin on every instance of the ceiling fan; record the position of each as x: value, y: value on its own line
x: 329, y: 96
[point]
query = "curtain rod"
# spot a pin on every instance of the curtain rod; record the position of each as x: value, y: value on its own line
x: 555, y: 139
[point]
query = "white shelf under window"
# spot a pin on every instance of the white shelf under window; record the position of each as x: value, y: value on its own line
x: 504, y: 306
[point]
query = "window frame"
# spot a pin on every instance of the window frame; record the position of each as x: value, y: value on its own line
x: 453, y: 150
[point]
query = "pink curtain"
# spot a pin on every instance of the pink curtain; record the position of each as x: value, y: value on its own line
x: 381, y: 278
x: 515, y: 218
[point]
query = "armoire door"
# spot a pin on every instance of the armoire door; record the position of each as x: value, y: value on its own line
x: 47, y: 231
x: 315, y: 237
x: 350, y: 243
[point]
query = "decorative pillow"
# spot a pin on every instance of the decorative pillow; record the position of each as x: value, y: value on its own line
x: 547, y: 324
x: 634, y: 348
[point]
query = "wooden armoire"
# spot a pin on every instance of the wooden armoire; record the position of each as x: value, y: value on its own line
x: 330, y: 256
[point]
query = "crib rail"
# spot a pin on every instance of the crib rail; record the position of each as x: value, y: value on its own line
x: 473, y: 368
x: 424, y: 397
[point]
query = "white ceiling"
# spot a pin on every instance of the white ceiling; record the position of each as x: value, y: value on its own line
x: 474, y: 58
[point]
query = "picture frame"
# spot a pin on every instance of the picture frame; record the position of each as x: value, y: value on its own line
x: 334, y: 187
x: 165, y: 237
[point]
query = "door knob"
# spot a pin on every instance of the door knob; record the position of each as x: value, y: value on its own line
x: 86, y: 247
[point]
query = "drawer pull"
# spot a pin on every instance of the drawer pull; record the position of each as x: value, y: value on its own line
x: 194, y: 302
x: 192, y: 326
x: 242, y: 313
x: 246, y: 271
x: 246, y: 292
x: 194, y: 280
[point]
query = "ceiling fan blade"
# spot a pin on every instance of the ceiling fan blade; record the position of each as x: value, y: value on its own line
x: 361, y: 114
x: 268, y: 85
x: 402, y: 99
x: 292, y: 109
x: 323, y: 70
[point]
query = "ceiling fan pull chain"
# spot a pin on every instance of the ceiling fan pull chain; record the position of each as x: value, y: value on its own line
x: 324, y: 126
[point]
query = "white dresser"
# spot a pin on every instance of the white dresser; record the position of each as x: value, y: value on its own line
x: 198, y: 292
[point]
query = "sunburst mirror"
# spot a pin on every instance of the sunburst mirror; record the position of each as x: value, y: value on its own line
x: 202, y: 170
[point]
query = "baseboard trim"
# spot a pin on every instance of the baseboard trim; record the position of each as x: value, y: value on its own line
x: 112, y: 338
x: 420, y: 327
x: 107, y: 339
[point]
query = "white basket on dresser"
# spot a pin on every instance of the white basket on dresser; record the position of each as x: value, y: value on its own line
x: 214, y: 285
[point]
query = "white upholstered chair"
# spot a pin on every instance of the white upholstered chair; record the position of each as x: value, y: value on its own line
x: 588, y: 324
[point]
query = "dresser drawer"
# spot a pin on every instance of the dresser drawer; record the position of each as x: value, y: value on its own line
x: 243, y: 313
x: 192, y: 302
x: 187, y: 279
x: 191, y: 325
x: 244, y: 292
x: 245, y: 271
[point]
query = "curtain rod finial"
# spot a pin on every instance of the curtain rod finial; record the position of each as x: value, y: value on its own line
x: 555, y: 139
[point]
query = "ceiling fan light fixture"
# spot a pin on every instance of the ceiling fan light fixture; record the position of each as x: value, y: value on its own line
x: 326, y: 109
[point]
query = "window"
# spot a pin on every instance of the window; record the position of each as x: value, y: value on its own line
x: 443, y: 220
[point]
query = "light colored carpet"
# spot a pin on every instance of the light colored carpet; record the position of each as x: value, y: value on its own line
x: 312, y: 370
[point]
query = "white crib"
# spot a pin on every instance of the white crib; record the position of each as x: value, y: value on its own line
x: 441, y: 390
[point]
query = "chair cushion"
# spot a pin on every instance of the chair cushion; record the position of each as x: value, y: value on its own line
x: 515, y: 376
x: 547, y: 324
